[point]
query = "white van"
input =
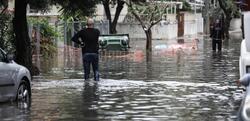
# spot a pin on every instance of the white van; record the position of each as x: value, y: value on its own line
x: 244, y: 62
x: 244, y: 66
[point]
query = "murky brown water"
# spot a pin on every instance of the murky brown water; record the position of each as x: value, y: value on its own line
x: 175, y: 84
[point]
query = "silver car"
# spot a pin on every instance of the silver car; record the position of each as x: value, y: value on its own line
x: 15, y: 80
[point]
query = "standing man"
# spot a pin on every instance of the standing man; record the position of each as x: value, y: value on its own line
x: 89, y: 42
x: 217, y: 35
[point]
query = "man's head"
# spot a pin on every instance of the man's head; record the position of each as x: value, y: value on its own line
x: 90, y: 22
x: 217, y: 21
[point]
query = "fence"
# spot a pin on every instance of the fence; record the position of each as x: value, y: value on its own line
x: 66, y: 52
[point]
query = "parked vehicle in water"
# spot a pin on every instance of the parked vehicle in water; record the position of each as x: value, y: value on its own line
x: 244, y: 62
x: 244, y: 68
x: 114, y: 42
x: 15, y: 80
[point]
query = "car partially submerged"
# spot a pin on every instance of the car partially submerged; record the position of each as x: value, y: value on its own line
x: 114, y: 42
x: 15, y: 80
x: 244, y: 68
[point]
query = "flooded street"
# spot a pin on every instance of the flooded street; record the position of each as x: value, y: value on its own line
x: 183, y: 84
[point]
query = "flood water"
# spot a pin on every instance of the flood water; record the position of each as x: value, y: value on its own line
x: 174, y: 85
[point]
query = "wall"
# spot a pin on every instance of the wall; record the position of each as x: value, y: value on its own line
x: 159, y: 31
x: 193, y: 24
x: 164, y: 30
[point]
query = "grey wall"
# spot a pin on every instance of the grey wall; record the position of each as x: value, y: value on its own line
x: 193, y: 24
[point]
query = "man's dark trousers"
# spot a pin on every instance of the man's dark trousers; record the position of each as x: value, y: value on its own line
x: 218, y: 43
x: 91, y: 59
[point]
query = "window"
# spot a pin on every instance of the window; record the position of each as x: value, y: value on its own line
x: 247, y: 69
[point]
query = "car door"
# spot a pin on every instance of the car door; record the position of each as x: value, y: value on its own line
x: 6, y: 72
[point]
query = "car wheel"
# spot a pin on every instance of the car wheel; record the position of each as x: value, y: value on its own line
x: 23, y: 95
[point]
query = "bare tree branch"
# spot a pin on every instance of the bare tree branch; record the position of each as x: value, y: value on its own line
x: 157, y: 21
x: 4, y: 4
x: 5, y: 8
x: 151, y: 16
x: 130, y: 5
x: 154, y: 23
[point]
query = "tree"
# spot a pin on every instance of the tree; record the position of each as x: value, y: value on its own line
x: 106, y: 4
x: 230, y: 10
x: 22, y: 40
x: 120, y: 4
x: 76, y: 9
x: 148, y: 14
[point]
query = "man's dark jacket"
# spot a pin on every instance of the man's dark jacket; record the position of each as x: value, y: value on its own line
x: 89, y: 40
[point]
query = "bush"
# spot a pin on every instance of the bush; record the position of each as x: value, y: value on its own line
x: 186, y: 6
x: 47, y: 37
x: 6, y: 33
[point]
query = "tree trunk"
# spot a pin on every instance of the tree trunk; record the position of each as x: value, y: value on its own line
x: 119, y: 8
x: 22, y: 40
x: 149, y: 41
x: 148, y: 45
x: 227, y: 25
x: 228, y: 19
x: 206, y: 17
x: 107, y: 12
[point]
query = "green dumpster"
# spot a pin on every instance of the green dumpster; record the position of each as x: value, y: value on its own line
x: 114, y: 42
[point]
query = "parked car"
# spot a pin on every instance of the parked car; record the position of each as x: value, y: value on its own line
x: 115, y: 42
x: 15, y: 80
x: 244, y: 67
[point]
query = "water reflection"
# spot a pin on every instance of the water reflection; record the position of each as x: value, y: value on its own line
x: 90, y: 100
x: 14, y: 112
